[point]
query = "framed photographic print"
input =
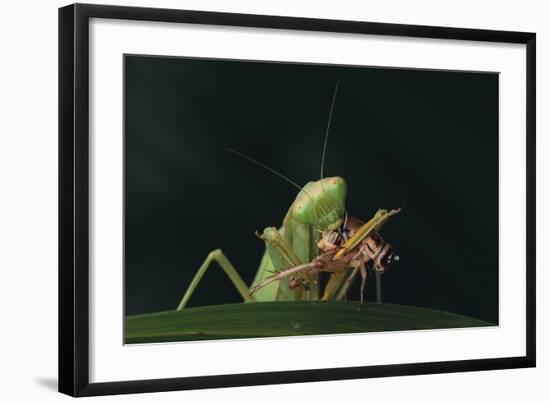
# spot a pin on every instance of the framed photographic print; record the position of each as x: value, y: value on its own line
x: 282, y: 193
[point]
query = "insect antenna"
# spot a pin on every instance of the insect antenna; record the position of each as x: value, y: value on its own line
x: 328, y: 127
x: 268, y: 169
x: 399, y: 222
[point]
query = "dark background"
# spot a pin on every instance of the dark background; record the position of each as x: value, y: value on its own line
x: 428, y: 136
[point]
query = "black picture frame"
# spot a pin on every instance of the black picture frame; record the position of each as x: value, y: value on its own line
x: 74, y: 198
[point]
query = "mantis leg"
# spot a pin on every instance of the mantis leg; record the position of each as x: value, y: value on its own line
x: 217, y: 256
x: 283, y: 257
x: 304, y: 244
x: 339, y: 284
x: 333, y: 285
x: 343, y: 291
x: 336, y: 288
x: 375, y: 223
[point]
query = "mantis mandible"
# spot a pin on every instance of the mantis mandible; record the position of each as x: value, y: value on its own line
x: 319, y: 208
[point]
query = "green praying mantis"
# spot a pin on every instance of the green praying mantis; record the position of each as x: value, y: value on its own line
x: 316, y: 236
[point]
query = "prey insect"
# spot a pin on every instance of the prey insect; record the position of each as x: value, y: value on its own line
x: 343, y: 253
x: 316, y: 236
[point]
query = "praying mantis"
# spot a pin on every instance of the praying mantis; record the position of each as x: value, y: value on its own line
x: 316, y: 236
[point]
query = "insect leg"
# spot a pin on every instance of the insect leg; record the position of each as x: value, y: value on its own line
x: 281, y: 253
x: 332, y: 285
x: 217, y: 256
x: 363, y: 271
x: 284, y: 273
x: 270, y: 292
x: 378, y: 276
x: 339, y: 284
x: 342, y: 292
x: 282, y: 257
x: 304, y: 245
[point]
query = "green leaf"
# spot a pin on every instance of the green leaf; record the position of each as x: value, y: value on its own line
x: 273, y: 319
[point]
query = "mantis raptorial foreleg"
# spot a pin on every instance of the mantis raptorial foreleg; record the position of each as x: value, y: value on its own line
x: 375, y: 223
x: 282, y: 257
x: 217, y: 256
x: 304, y: 243
x: 294, y: 259
x: 333, y: 284
x: 339, y: 283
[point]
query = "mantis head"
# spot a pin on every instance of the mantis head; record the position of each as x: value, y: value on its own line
x: 321, y: 203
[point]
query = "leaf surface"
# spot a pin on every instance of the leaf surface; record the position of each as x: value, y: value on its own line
x: 273, y: 319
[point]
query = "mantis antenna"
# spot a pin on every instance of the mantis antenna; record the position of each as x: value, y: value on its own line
x: 328, y: 127
x: 268, y: 169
